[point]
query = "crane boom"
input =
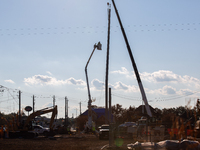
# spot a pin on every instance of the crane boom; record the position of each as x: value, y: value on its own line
x: 133, y: 64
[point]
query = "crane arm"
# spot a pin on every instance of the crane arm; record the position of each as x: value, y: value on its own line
x: 133, y: 63
x: 54, y: 113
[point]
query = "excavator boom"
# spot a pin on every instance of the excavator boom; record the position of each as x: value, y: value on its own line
x: 41, y: 112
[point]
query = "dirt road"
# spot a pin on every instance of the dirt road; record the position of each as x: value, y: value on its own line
x: 62, y: 142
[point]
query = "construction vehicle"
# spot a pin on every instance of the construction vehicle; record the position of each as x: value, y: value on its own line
x: 144, y: 98
x: 133, y: 63
x: 25, y: 128
x: 89, y: 122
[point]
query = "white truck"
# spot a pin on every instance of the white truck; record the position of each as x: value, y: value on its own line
x: 41, y: 130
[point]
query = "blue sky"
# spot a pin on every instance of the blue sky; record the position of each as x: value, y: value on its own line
x: 45, y: 46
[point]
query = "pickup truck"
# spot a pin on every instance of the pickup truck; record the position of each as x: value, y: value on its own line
x: 104, y: 131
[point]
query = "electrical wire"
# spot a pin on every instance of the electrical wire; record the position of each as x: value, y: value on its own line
x: 177, y: 97
x: 9, y: 100
x: 75, y: 30
x: 125, y: 97
x: 156, y: 100
x: 5, y: 89
x: 90, y: 27
x: 72, y: 99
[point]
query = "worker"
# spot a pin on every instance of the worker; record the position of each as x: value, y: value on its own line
x: 93, y: 126
x: 6, y: 132
x: 1, y: 132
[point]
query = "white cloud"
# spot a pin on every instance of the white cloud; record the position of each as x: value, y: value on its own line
x: 165, y: 90
x: 49, y: 104
x: 49, y: 72
x: 98, y: 85
x: 161, y: 76
x: 122, y: 71
x: 169, y: 90
x: 164, y: 76
x: 75, y: 82
x: 10, y: 81
x: 121, y: 86
x: 172, y: 84
x: 185, y: 92
x: 48, y: 80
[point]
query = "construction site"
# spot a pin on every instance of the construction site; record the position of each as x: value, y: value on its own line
x: 107, y: 127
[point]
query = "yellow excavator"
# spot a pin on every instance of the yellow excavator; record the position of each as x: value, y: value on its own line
x: 25, y: 129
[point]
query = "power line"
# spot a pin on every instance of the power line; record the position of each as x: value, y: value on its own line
x: 125, y: 97
x: 177, y: 97
x: 90, y: 27
x: 155, y: 99
x: 9, y: 100
x: 5, y: 89
x: 75, y: 30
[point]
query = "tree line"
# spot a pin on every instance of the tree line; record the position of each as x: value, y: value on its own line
x: 165, y: 116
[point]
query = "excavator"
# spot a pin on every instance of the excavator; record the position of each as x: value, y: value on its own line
x: 25, y: 129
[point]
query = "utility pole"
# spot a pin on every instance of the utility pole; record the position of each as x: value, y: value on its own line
x: 54, y: 101
x: 76, y: 112
x: 33, y: 103
x: 110, y: 121
x: 107, y: 66
x: 80, y: 108
x: 110, y: 106
x: 66, y: 111
x: 19, y: 106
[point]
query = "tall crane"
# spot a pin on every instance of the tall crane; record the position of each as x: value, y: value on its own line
x: 144, y: 98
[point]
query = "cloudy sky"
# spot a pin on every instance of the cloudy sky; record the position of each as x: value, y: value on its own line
x: 45, y: 45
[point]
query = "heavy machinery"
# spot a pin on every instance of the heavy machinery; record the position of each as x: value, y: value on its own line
x: 25, y: 128
x: 133, y: 63
x: 89, y: 122
x: 41, y: 112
